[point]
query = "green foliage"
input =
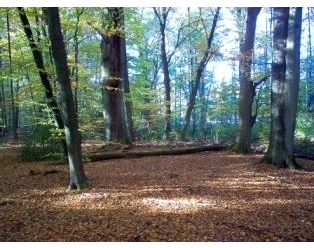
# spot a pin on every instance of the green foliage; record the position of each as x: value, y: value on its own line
x: 43, y: 142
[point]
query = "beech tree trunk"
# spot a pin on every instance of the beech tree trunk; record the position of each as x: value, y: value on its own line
x: 112, y: 51
x: 126, y: 86
x: 77, y: 174
x: 292, y: 82
x: 246, y: 84
x: 284, y: 91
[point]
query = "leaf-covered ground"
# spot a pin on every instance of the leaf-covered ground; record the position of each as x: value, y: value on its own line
x: 209, y: 196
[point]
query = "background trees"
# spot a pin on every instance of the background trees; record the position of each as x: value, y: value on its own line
x: 159, y: 83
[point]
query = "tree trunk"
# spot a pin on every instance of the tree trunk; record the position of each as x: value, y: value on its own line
x: 310, y: 94
x: 39, y: 61
x: 135, y: 154
x: 76, y: 58
x: 126, y: 86
x: 77, y: 174
x: 246, y: 87
x: 165, y: 69
x: 292, y: 82
x: 113, y: 76
x: 3, y: 129
x: 199, y: 72
x: 4, y: 111
x: 280, y: 150
x: 13, y: 104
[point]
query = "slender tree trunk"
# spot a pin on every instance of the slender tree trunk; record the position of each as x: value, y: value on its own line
x: 39, y: 61
x: 77, y: 174
x: 113, y: 77
x: 4, y: 111
x: 2, y: 102
x: 76, y: 58
x: 165, y: 69
x: 13, y: 104
x: 280, y: 150
x: 310, y: 82
x: 199, y: 72
x: 246, y: 84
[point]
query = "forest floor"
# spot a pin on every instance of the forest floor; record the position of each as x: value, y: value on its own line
x: 208, y: 196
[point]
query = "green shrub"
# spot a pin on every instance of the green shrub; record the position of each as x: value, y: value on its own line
x: 43, y: 142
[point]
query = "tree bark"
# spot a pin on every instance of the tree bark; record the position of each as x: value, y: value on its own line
x: 292, y: 82
x: 76, y: 58
x: 201, y: 67
x: 77, y: 174
x: 284, y: 86
x: 112, y: 50
x: 39, y: 61
x: 134, y: 154
x: 246, y: 87
x: 13, y: 103
x: 310, y: 92
x: 3, y: 129
x: 162, y: 17
x: 126, y: 86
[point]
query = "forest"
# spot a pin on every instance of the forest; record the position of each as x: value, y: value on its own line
x: 156, y: 124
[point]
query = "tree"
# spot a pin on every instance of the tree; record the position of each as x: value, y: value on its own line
x: 200, y: 68
x: 284, y: 90
x: 162, y: 18
x: 4, y: 124
x: 309, y: 69
x: 77, y: 174
x: 114, y: 75
x: 247, y: 87
x: 75, y: 72
x: 14, y: 111
x: 39, y: 61
x: 292, y: 82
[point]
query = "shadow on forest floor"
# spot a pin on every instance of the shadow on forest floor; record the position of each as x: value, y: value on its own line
x: 208, y: 196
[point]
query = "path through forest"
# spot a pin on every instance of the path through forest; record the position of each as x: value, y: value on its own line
x: 208, y: 196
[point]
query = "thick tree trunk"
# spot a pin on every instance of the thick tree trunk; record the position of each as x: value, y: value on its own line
x: 280, y: 150
x: 77, y: 174
x: 292, y: 82
x: 39, y: 61
x: 246, y: 87
x: 199, y: 72
x: 113, y: 77
x: 127, y: 91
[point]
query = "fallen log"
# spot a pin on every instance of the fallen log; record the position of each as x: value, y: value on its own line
x: 304, y: 156
x: 135, y: 154
x: 296, y: 155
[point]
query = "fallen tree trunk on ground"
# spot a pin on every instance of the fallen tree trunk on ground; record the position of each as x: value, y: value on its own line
x: 136, y: 154
x: 297, y: 155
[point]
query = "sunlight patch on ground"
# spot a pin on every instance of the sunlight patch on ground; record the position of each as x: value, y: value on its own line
x: 177, y: 204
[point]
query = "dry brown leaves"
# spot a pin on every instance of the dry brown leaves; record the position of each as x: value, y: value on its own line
x: 209, y: 196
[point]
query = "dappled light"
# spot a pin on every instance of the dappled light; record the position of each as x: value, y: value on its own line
x: 156, y: 124
x: 184, y: 197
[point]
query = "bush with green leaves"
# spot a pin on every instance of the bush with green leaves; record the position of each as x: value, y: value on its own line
x: 43, y: 142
